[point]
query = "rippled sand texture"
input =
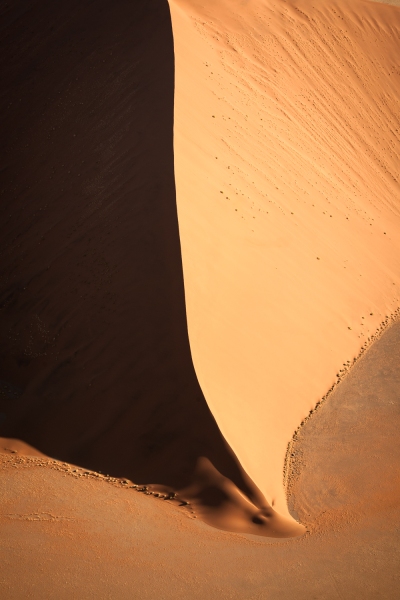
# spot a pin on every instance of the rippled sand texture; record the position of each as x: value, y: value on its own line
x: 287, y: 173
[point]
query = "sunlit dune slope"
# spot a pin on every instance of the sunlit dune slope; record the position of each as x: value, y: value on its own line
x: 287, y: 173
x: 95, y: 364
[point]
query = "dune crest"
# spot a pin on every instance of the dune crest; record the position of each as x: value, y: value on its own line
x: 286, y: 164
x: 95, y: 363
x: 68, y: 533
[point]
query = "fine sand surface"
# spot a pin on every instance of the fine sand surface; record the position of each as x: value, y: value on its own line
x: 287, y: 162
x: 95, y: 360
x: 279, y: 124
x: 70, y: 533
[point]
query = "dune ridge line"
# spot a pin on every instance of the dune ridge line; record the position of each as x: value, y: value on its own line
x: 388, y: 322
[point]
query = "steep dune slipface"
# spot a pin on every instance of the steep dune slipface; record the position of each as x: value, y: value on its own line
x: 286, y: 158
x: 92, y: 310
x: 95, y: 364
x: 287, y: 173
x: 68, y: 533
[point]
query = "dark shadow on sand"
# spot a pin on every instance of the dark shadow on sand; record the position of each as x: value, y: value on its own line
x: 92, y: 319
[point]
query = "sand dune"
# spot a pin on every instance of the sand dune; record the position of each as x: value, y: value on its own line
x: 70, y: 532
x: 95, y: 359
x: 287, y: 173
x: 281, y: 131
x: 278, y: 121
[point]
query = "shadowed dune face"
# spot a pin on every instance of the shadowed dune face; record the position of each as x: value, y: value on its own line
x: 92, y: 292
x: 287, y: 171
x: 95, y: 360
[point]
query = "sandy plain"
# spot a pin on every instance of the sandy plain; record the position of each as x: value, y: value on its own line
x: 270, y: 131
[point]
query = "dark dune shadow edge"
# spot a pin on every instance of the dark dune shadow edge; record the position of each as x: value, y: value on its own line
x: 95, y: 359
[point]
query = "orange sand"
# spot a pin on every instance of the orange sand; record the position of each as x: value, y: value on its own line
x: 287, y: 173
x: 285, y: 156
x: 281, y: 132
x: 95, y: 362
x: 67, y: 532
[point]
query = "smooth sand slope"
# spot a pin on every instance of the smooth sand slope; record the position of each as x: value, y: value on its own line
x: 68, y: 533
x: 286, y: 160
x: 95, y: 365
x: 95, y: 361
x: 287, y: 173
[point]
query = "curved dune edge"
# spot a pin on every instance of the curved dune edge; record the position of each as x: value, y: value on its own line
x: 288, y: 204
x: 217, y: 501
x: 95, y: 363
x: 211, y: 497
x: 344, y: 474
x: 343, y: 373
x: 68, y: 533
